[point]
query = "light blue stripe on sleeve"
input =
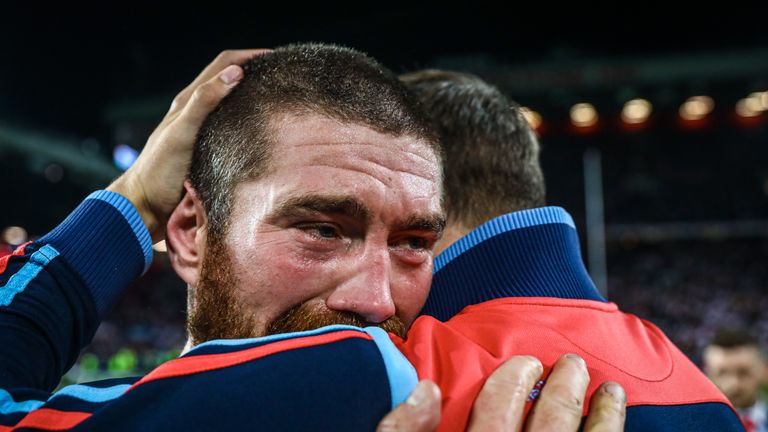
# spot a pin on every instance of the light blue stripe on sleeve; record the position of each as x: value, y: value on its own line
x: 10, y: 406
x: 93, y: 394
x: 401, y: 373
x: 79, y: 391
x: 19, y: 281
x: 131, y: 215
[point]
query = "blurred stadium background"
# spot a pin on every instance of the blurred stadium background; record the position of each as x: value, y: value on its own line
x: 654, y: 126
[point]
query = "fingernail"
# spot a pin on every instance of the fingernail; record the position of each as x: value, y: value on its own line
x: 418, y: 395
x: 577, y: 359
x: 230, y: 75
x: 615, y: 390
x: 536, y: 362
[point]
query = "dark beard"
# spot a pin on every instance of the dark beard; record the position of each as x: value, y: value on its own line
x: 216, y: 313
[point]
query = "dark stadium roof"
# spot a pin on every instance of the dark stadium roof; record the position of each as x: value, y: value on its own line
x: 60, y: 69
x: 63, y: 72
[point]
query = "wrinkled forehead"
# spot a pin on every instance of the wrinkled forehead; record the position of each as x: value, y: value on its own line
x: 318, y: 154
x: 298, y: 133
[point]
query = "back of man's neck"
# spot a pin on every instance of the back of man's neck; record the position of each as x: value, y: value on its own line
x: 455, y: 230
x: 451, y: 234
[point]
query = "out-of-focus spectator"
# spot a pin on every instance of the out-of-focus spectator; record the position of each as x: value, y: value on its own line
x: 691, y: 288
x: 737, y: 365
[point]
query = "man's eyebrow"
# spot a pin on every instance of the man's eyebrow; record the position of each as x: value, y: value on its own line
x: 300, y: 205
x: 434, y: 223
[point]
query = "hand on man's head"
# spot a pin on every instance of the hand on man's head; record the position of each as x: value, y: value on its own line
x: 154, y: 183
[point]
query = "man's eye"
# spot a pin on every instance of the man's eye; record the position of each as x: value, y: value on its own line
x: 417, y: 243
x: 323, y: 231
x: 413, y: 250
x: 326, y: 231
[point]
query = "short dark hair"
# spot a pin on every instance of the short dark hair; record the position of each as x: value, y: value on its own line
x: 733, y: 338
x: 235, y: 140
x: 490, y: 153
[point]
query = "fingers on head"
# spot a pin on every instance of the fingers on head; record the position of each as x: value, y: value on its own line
x: 229, y: 57
x: 205, y: 98
x: 212, y: 71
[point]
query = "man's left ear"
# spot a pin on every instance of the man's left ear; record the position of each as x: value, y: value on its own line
x: 186, y: 234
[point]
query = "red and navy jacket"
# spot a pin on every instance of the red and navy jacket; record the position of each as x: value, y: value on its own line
x: 53, y: 293
x: 531, y: 294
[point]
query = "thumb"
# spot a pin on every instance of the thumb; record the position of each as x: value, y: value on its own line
x: 420, y: 413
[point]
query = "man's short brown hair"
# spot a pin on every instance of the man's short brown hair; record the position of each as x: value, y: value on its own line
x: 730, y: 338
x: 491, y: 155
x: 235, y: 141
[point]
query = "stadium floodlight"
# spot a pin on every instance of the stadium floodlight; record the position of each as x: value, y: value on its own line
x: 696, y: 107
x: 636, y: 111
x: 584, y: 115
x: 15, y: 235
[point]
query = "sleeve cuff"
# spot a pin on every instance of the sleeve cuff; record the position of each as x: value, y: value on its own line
x: 106, y: 242
x: 132, y: 217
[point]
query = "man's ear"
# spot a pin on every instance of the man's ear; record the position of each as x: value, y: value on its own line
x: 186, y: 234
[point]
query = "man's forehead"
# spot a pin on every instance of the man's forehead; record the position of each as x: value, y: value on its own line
x: 303, y: 128
x: 747, y: 353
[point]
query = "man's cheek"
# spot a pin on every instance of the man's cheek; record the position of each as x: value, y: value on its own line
x: 411, y: 296
x: 299, y: 278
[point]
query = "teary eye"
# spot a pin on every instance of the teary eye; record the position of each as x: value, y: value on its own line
x: 417, y: 243
x: 322, y: 231
x: 326, y: 231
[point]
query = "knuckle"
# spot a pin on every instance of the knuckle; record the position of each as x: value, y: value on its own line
x: 611, y: 408
x: 204, y: 94
x: 527, y: 366
x: 177, y: 101
x: 224, y: 55
x: 564, y: 398
x: 515, y: 386
x: 389, y: 424
x: 515, y: 375
x: 513, y: 381
x: 519, y: 391
x: 535, y: 366
x: 606, y: 417
x: 404, y: 418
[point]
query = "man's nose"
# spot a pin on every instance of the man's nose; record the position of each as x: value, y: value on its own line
x: 366, y: 292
